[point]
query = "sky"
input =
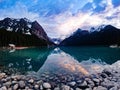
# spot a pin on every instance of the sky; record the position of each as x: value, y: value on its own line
x: 60, y: 18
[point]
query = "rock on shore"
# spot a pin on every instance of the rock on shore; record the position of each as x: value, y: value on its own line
x: 107, y: 80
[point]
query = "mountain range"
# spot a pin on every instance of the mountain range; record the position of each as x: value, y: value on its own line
x: 103, y: 35
x: 22, y: 32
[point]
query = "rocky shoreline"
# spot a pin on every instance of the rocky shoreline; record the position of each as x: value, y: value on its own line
x: 107, y: 80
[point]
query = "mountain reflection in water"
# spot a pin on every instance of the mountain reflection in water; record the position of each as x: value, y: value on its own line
x: 59, y: 62
x: 86, y: 60
x: 64, y: 59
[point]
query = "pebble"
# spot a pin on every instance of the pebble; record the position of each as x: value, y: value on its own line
x: 83, y: 85
x: 2, y: 75
x: 4, y: 80
x: 3, y: 88
x: 36, y: 86
x: 57, y: 88
x: 41, y: 87
x: 31, y: 81
x: 27, y: 88
x: 65, y: 87
x: 18, y: 77
x: 46, y: 85
x: 88, y: 89
x: 90, y: 83
x: 39, y: 82
x: 72, y: 83
x: 114, y: 88
x: 102, y: 81
x: 7, y: 84
x: 96, y: 80
x: 100, y: 88
x: 10, y: 89
x: 15, y: 87
x: 22, y: 84
x: 78, y: 89
x: 103, y: 75
x: 14, y: 82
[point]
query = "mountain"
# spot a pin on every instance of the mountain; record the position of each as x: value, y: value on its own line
x: 22, y: 32
x: 103, y: 35
x: 56, y: 40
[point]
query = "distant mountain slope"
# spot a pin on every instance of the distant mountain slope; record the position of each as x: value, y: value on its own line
x: 107, y: 35
x: 22, y: 32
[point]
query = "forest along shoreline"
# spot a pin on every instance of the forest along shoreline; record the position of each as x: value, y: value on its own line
x: 108, y: 79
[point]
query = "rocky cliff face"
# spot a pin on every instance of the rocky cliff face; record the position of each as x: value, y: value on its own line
x: 22, y: 32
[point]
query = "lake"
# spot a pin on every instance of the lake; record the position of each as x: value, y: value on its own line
x: 60, y: 59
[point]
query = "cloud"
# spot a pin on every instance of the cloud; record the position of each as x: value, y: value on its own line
x: 60, y: 18
x: 45, y: 12
x: 66, y: 22
x: 18, y: 11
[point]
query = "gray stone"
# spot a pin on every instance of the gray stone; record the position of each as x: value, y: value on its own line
x: 104, y: 75
x: 84, y: 84
x: 100, y: 88
x: 65, y: 87
x: 71, y: 89
x: 72, y: 83
x: 90, y: 83
x: 13, y: 77
x: 88, y: 89
x: 8, y: 78
x: 18, y: 77
x: 15, y: 87
x: 39, y: 82
x: 7, y: 84
x: 108, y: 84
x: 23, y: 77
x: 57, y: 88
x: 78, y: 89
x: 36, y: 86
x: 46, y: 85
x: 96, y: 80
x: 31, y: 81
x: 22, y: 84
x: 49, y: 89
x: 14, y: 82
x: 3, y: 88
x: 4, y: 80
x: 27, y: 88
x: 114, y: 88
x: 2, y: 75
x: 79, y: 81
x: 9, y: 88
x: 41, y: 87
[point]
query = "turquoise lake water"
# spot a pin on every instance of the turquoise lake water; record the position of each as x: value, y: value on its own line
x: 57, y: 59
